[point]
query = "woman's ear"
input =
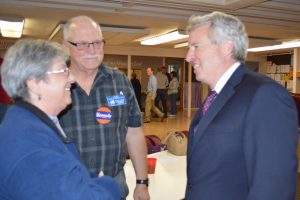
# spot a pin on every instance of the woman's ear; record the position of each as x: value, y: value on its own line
x: 33, y: 86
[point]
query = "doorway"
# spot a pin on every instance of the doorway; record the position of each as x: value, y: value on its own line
x: 176, y: 64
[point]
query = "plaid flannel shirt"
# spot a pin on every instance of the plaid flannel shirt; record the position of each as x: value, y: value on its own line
x: 101, y: 144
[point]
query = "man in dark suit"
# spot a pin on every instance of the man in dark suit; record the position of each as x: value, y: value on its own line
x: 136, y: 84
x: 244, y: 146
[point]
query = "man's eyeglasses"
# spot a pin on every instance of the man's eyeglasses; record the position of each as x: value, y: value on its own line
x: 86, y: 45
x: 64, y: 71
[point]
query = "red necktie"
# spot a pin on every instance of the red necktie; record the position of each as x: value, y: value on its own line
x: 208, y: 101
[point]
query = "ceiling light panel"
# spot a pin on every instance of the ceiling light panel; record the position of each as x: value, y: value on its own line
x: 172, y: 36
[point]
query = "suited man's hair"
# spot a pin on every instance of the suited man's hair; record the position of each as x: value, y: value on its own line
x: 223, y: 27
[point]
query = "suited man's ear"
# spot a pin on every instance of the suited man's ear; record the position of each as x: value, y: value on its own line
x: 227, y: 48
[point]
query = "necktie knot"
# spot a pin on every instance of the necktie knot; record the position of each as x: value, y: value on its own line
x: 208, y: 101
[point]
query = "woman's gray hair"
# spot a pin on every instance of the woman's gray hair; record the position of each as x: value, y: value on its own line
x: 25, y: 60
x: 223, y: 27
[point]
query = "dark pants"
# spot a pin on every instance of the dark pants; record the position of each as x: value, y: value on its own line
x: 121, y: 180
x: 173, y: 99
x: 161, y: 94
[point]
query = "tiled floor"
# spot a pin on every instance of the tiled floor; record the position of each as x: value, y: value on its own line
x: 178, y: 123
x: 298, y: 188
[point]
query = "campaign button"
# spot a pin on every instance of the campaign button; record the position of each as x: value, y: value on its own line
x: 103, y: 115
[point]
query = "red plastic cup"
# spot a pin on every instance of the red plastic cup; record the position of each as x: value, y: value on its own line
x: 151, y: 165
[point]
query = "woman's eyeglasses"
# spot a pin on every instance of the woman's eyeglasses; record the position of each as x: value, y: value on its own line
x: 64, y: 71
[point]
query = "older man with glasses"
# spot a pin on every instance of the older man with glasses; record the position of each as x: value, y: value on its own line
x: 104, y: 117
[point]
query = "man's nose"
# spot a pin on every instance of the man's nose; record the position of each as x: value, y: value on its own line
x: 189, y: 56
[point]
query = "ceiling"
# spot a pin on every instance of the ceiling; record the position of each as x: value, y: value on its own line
x: 125, y: 23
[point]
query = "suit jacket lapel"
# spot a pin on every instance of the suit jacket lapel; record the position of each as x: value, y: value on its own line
x: 227, y: 91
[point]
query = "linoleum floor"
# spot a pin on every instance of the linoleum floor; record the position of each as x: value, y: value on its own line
x: 179, y: 123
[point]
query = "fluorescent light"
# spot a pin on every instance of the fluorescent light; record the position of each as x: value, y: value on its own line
x: 184, y: 44
x: 284, y: 45
x: 11, y: 27
x: 175, y: 35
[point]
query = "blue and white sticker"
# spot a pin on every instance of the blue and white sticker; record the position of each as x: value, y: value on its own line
x: 116, y: 100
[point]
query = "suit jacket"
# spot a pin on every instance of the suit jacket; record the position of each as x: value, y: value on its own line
x: 35, y: 163
x: 245, y: 147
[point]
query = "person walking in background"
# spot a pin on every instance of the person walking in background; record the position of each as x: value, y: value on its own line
x: 151, y: 93
x: 243, y: 140
x: 104, y: 117
x: 137, y: 89
x: 161, y: 92
x: 37, y: 159
x: 173, y: 93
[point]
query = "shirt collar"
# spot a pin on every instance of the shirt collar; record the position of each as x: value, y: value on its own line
x: 225, y: 77
x: 53, y: 118
x: 103, y: 71
x: 43, y: 117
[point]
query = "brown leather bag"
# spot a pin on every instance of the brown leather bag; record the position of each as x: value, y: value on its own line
x: 176, y: 142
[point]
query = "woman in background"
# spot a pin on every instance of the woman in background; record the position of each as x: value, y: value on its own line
x: 37, y: 160
x: 173, y: 93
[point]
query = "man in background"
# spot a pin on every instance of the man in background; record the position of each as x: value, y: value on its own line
x: 104, y: 117
x: 243, y: 140
x: 151, y: 93
x: 136, y: 84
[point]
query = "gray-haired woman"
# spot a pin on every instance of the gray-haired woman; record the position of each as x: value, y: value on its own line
x: 37, y: 160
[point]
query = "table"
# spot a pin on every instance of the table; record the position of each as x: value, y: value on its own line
x: 169, y: 180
